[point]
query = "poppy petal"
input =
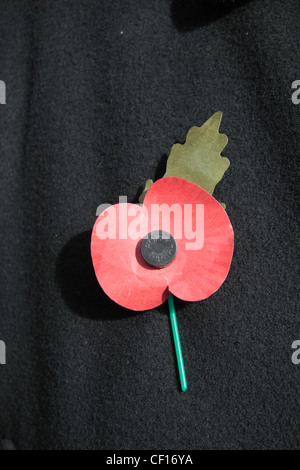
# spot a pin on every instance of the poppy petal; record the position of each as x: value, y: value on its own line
x: 119, y: 267
x: 202, y: 263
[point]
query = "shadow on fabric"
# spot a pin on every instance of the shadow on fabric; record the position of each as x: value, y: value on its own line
x: 79, y: 288
x: 78, y: 285
x: 192, y: 14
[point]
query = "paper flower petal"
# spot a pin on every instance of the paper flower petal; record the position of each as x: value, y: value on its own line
x: 200, y: 270
x: 119, y: 267
x: 203, y: 234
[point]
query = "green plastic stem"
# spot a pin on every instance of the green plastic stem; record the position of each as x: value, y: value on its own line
x: 177, y: 344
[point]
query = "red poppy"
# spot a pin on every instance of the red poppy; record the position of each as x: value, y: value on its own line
x: 183, y: 210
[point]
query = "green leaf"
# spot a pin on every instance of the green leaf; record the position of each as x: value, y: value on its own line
x: 147, y: 186
x: 199, y: 159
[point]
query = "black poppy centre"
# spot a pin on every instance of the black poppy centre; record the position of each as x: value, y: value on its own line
x: 158, y: 248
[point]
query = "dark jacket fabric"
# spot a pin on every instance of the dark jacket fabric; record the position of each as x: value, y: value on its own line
x: 97, y: 92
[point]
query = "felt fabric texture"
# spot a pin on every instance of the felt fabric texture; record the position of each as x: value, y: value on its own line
x: 97, y: 94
